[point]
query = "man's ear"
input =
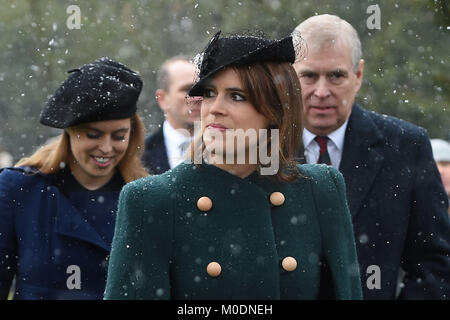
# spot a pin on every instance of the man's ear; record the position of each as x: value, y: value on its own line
x: 359, y: 75
x: 160, y: 96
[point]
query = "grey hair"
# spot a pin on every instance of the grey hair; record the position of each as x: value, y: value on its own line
x: 324, y: 29
x: 163, y: 76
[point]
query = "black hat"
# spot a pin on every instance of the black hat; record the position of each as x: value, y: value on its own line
x: 101, y: 90
x: 240, y: 50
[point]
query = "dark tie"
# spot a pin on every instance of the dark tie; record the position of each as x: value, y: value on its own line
x: 324, y: 157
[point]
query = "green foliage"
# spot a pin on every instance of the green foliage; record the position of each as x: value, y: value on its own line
x: 406, y: 73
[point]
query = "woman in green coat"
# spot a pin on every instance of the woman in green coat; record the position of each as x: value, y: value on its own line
x: 240, y: 219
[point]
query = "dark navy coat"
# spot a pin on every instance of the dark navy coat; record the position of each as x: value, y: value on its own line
x: 398, y: 207
x: 155, y: 153
x: 46, y: 240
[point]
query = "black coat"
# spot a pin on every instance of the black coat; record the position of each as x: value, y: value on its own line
x: 155, y: 155
x: 398, y: 206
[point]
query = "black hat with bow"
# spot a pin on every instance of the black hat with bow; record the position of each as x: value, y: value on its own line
x: 102, y: 90
x: 223, y: 52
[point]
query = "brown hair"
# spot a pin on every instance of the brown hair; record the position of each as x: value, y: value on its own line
x: 274, y: 90
x: 53, y: 156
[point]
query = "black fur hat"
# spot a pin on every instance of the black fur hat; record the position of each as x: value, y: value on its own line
x: 223, y: 52
x: 101, y: 90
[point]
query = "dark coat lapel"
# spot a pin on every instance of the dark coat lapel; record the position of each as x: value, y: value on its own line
x: 361, y: 158
x: 155, y: 155
x: 68, y: 220
x: 70, y: 223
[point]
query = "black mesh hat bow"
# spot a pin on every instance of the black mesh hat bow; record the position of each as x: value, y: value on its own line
x: 102, y: 90
x: 223, y: 52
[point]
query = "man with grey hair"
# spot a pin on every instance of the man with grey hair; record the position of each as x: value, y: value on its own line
x: 396, y: 198
x: 441, y: 154
x: 165, y: 148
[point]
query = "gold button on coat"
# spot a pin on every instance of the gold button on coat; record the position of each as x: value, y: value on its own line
x: 204, y: 204
x: 277, y: 198
x: 214, y: 269
x: 289, y: 264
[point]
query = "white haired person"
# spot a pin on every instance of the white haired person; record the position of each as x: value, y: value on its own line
x: 398, y: 206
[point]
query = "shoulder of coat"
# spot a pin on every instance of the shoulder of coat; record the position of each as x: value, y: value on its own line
x: 22, y: 175
x: 313, y: 171
x: 164, y: 182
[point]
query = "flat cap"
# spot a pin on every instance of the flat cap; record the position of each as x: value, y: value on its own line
x: 102, y: 90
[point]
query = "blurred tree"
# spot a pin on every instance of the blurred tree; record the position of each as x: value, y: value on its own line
x: 406, y: 72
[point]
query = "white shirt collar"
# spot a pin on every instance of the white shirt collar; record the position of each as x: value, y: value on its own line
x: 308, y: 137
x: 172, y: 136
x: 173, y: 139
x: 337, y: 136
x: 335, y: 145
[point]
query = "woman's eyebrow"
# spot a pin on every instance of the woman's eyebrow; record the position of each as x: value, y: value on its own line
x: 100, y: 131
x: 87, y: 127
x: 208, y: 84
x: 122, y: 129
x: 235, y: 89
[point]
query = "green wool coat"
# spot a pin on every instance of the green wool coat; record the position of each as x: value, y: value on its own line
x: 163, y: 243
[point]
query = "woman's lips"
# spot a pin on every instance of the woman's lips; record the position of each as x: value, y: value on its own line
x: 102, y: 162
x: 216, y: 126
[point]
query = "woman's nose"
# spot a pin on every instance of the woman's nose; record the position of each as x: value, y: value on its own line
x: 106, y: 145
x: 217, y: 106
